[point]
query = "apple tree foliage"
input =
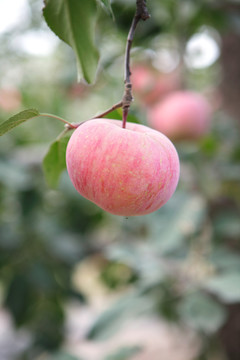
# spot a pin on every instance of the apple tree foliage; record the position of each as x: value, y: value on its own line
x: 182, y: 262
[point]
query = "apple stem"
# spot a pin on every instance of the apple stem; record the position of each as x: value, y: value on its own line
x: 124, y: 118
x: 140, y: 14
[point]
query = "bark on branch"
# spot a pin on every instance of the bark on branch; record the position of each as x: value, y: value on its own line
x: 140, y: 14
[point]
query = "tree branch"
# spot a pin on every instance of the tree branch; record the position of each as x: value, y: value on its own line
x: 140, y: 14
x: 71, y: 126
x: 114, y: 107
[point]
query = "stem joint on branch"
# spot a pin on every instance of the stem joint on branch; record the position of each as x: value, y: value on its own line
x: 140, y: 14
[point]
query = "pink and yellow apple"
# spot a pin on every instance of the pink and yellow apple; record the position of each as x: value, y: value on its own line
x: 181, y: 115
x: 128, y: 172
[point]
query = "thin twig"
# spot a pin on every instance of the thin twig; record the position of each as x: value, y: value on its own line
x: 114, y: 107
x: 68, y: 124
x: 71, y: 126
x: 140, y: 14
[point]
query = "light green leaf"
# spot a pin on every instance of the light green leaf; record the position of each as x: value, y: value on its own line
x: 17, y: 119
x: 74, y: 22
x: 225, y: 286
x: 182, y: 217
x: 202, y: 312
x: 107, y: 5
x: 225, y: 260
x: 61, y: 356
x: 124, y: 353
x: 113, y: 318
x: 55, y: 161
x: 227, y: 224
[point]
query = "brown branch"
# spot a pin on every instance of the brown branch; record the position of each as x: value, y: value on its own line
x: 114, y: 107
x: 140, y: 14
x: 71, y: 126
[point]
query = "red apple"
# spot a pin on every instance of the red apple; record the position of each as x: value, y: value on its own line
x: 181, y: 115
x: 132, y: 171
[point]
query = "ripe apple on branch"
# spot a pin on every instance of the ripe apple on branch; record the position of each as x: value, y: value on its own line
x: 126, y: 169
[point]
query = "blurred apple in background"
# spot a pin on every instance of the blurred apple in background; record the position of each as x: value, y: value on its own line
x: 10, y: 99
x: 182, y: 115
x: 150, y: 85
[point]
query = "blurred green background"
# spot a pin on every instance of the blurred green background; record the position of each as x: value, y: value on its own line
x: 78, y: 283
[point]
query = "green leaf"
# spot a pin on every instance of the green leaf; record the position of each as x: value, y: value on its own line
x: 124, y: 353
x: 55, y: 161
x: 225, y: 260
x: 225, y: 286
x: 227, y: 225
x: 61, y: 356
x: 114, y: 317
x: 19, y: 299
x: 202, y: 312
x: 182, y: 217
x: 107, y: 5
x: 17, y: 119
x: 73, y: 21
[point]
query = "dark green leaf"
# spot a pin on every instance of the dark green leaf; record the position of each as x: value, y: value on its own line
x: 54, y: 162
x: 19, y: 299
x: 47, y: 324
x: 227, y: 224
x: 74, y: 22
x: 17, y: 119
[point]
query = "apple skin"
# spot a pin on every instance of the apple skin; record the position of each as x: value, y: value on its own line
x: 128, y: 172
x: 182, y: 115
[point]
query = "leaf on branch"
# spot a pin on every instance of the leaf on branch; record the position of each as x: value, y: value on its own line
x: 54, y: 161
x: 17, y: 119
x: 74, y: 22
